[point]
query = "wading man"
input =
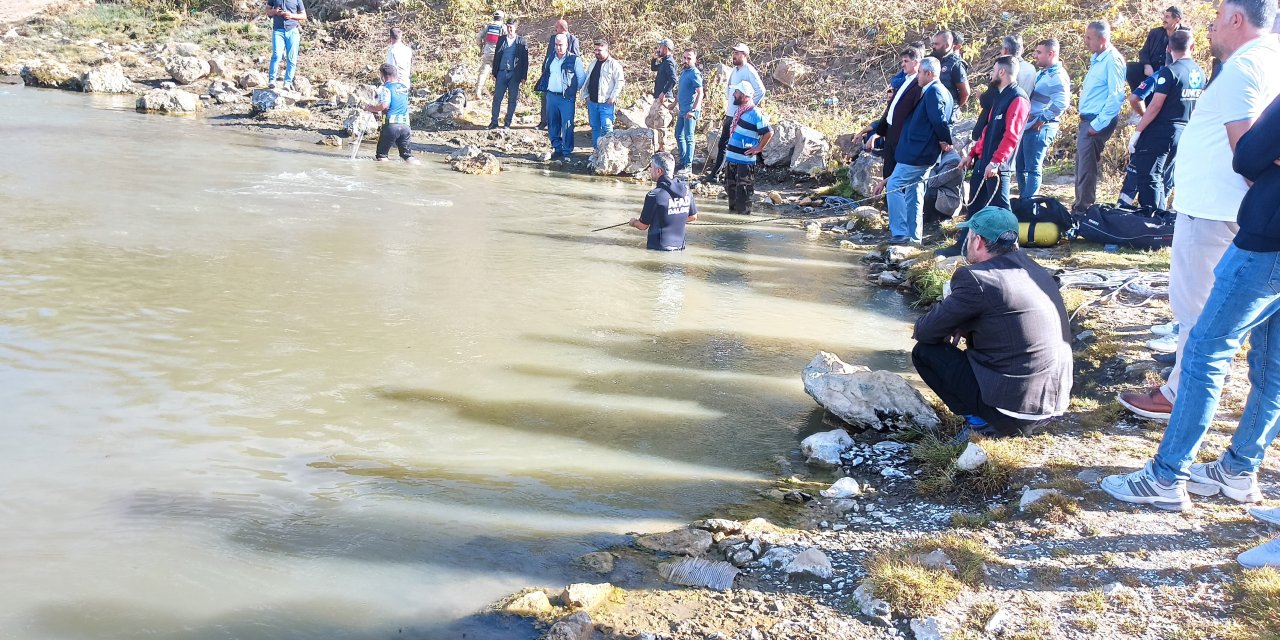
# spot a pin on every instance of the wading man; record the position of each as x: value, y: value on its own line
x: 666, y: 208
x: 393, y: 103
x: 1016, y: 368
x: 285, y: 38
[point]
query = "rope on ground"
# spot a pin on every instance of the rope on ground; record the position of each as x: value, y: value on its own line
x: 1143, y: 287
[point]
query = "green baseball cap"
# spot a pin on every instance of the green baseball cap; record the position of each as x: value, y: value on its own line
x: 990, y: 222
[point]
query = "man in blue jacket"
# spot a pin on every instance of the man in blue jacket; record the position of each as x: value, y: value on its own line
x: 925, y: 137
x: 667, y: 208
x: 1244, y: 303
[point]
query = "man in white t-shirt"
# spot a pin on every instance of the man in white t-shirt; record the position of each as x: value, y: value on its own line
x: 1208, y: 190
x: 399, y: 55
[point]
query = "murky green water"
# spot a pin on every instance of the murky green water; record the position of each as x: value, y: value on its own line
x: 250, y: 389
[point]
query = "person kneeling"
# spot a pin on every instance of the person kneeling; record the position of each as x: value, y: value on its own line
x: 667, y: 208
x: 393, y: 102
x: 1016, y: 370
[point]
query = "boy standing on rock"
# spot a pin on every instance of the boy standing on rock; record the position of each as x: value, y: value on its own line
x: 285, y: 37
x: 393, y: 102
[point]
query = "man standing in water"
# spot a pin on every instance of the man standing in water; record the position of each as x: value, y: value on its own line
x: 285, y: 37
x: 667, y: 208
x: 393, y: 103
x: 742, y: 71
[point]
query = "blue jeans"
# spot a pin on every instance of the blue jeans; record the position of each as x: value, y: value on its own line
x: 600, y: 117
x: 1030, y: 160
x: 560, y: 123
x: 1244, y: 302
x: 906, y: 211
x: 284, y: 41
x: 685, y: 127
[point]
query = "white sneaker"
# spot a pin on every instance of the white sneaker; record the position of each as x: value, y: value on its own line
x: 1164, y: 344
x: 1210, y: 479
x: 1269, y: 516
x: 1169, y: 328
x: 1141, y: 487
x: 1266, y: 554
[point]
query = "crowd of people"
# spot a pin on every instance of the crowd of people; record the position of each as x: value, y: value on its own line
x: 1014, y: 374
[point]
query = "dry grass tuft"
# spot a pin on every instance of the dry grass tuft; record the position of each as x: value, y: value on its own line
x: 1257, y: 605
x: 968, y: 554
x: 940, y: 477
x: 910, y: 588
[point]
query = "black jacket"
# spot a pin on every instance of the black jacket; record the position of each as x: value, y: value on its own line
x: 1255, y: 159
x: 665, y: 81
x: 1153, y: 50
x: 522, y: 58
x: 1019, y: 342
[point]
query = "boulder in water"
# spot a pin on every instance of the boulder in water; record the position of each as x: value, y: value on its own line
x: 107, y: 77
x: 687, y: 542
x: 483, y: 164
x: 881, y: 400
x: 623, y: 152
x: 359, y: 122
x: 50, y: 75
x: 169, y: 101
x: 187, y: 69
x: 824, y: 449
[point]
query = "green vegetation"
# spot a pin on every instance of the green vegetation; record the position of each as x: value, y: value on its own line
x: 910, y: 588
x: 940, y: 477
x: 1257, y: 606
x: 968, y: 554
x: 928, y: 278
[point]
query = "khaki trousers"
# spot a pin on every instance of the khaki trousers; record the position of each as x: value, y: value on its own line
x: 1198, y: 245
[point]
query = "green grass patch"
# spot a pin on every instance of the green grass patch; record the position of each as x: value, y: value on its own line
x: 1257, y: 605
x: 910, y: 588
x: 940, y: 477
x: 968, y: 554
x: 928, y: 278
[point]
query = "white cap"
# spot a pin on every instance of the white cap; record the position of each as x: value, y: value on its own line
x: 498, y: 15
x: 742, y: 47
x: 746, y: 89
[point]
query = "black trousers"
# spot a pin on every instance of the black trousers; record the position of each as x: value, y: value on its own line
x: 506, y: 85
x: 1134, y: 74
x: 724, y: 142
x: 397, y: 134
x: 740, y: 186
x: 988, y: 193
x: 542, y: 116
x: 946, y: 370
x: 1149, y: 176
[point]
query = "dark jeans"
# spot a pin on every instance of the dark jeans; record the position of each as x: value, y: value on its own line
x: 724, y: 142
x: 988, y: 193
x: 740, y: 186
x: 507, y: 86
x: 397, y: 134
x: 542, y: 115
x: 1149, y: 175
x: 946, y: 370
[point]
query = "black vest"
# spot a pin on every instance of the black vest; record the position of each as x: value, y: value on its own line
x: 993, y: 130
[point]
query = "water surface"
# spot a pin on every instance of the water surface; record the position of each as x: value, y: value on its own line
x: 249, y: 388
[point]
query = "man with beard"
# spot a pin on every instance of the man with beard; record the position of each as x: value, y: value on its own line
x: 601, y: 88
x: 749, y: 133
x: 953, y: 72
x: 742, y: 72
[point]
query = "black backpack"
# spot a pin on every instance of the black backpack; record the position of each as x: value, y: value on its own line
x: 1043, y: 221
x: 1135, y: 228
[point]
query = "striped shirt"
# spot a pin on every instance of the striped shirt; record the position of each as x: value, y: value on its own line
x: 1051, y: 94
x: 747, y: 134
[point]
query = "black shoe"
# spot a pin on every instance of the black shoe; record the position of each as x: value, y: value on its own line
x: 948, y: 252
x: 899, y: 240
x: 557, y: 156
x: 493, y: 126
x: 1165, y: 358
x: 542, y: 127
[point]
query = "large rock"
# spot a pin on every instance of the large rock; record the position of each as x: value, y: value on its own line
x: 788, y: 72
x: 597, y: 562
x: 864, y: 598
x: 687, y: 542
x: 334, y: 90
x: 699, y: 572
x: 481, y: 164
x: 450, y: 105
x: 252, y: 80
x: 50, y: 75
x: 878, y: 399
x: 264, y: 100
x: 363, y: 96
x: 824, y: 448
x: 223, y: 92
x: 847, y: 146
x: 302, y: 86
x: 782, y: 145
x: 169, y: 101
x: 810, y: 564
x: 865, y: 173
x: 575, y: 627
x: 634, y: 116
x: 530, y: 604
x: 107, y: 77
x: 810, y: 152
x: 359, y: 122
x: 583, y: 595
x: 624, y: 152
x: 219, y: 68
x: 459, y: 77
x: 187, y: 69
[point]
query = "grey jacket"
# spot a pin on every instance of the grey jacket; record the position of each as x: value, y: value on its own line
x: 1013, y: 319
x: 946, y: 184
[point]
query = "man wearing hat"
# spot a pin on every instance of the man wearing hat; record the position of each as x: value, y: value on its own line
x: 488, y: 39
x: 749, y: 133
x: 659, y: 116
x: 1015, y: 371
x: 742, y: 71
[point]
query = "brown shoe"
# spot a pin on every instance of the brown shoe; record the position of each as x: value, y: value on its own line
x: 1151, y: 405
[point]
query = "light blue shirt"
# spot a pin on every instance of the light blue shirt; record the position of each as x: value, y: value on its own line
x: 555, y: 73
x: 1051, y: 94
x: 1102, y: 93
